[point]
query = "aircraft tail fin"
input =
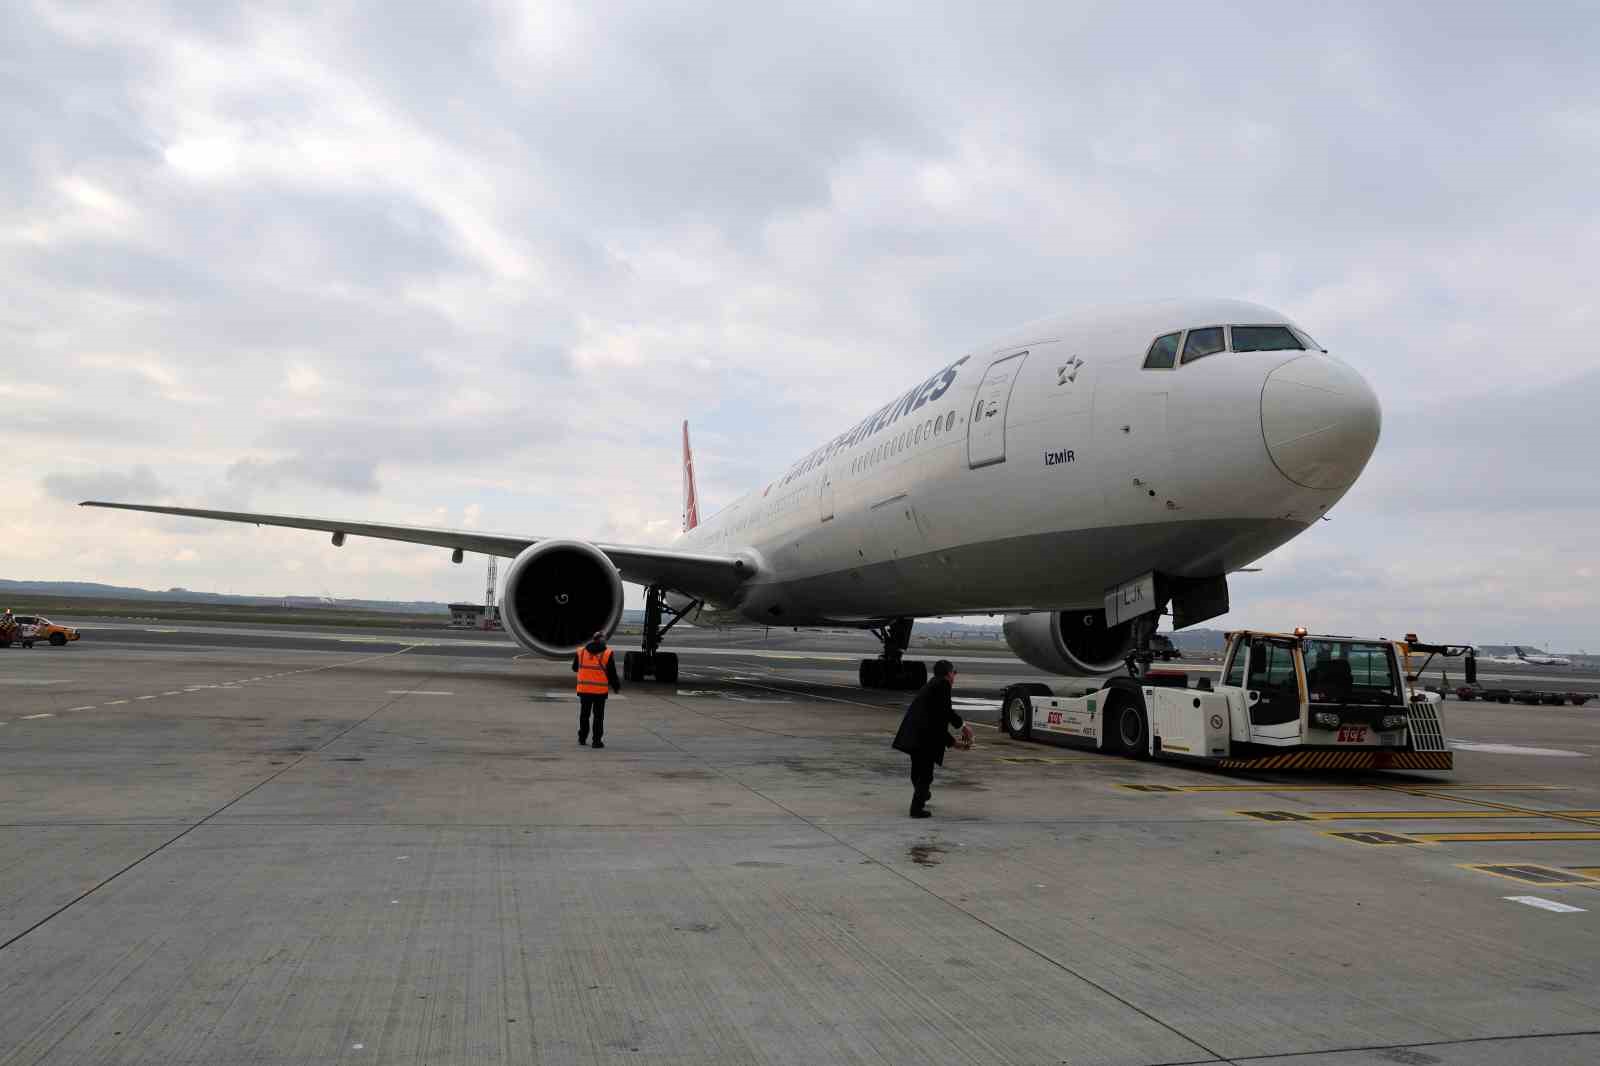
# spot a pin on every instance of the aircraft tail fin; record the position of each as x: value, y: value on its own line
x: 691, y: 495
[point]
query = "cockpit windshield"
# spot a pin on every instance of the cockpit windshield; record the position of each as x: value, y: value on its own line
x: 1350, y: 671
x: 1264, y: 339
x: 1199, y: 342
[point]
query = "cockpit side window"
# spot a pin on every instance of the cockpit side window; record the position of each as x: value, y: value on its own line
x: 1264, y: 339
x: 1203, y: 342
x: 1306, y: 339
x: 1163, y: 353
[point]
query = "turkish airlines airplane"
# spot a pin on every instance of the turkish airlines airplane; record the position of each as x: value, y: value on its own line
x: 1077, y: 476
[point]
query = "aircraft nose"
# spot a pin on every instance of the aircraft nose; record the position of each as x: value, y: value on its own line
x: 1320, y: 420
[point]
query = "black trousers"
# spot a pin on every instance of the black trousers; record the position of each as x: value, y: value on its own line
x: 921, y: 780
x: 597, y: 704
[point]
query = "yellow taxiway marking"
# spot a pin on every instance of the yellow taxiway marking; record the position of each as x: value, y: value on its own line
x: 1531, y: 873
x: 1560, y: 834
x: 1374, y: 837
x: 1352, y: 787
x: 1336, y: 816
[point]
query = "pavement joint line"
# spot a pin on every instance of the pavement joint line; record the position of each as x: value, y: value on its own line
x: 1425, y: 1043
x: 290, y: 765
x: 1009, y: 937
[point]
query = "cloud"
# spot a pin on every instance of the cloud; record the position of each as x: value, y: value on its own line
x: 137, y: 484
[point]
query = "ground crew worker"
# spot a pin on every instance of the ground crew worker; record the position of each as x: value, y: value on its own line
x: 597, y: 677
x: 922, y: 733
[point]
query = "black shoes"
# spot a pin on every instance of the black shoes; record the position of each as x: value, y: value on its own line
x: 921, y: 812
x: 582, y: 741
x: 599, y: 744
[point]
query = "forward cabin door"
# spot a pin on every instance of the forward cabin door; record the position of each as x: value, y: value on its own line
x: 986, y: 426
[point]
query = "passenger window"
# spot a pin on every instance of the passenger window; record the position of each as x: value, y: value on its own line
x: 1202, y: 342
x: 1264, y: 339
x: 938, y: 425
x: 1163, y: 353
x: 949, y: 421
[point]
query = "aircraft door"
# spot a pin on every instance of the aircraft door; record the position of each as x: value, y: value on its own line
x: 825, y: 495
x: 986, y: 426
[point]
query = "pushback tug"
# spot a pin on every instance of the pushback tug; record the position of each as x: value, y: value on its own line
x: 1284, y: 701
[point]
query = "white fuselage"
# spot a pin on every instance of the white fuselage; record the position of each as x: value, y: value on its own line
x: 1037, y: 472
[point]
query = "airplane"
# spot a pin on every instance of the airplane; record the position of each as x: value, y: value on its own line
x: 1540, y: 658
x: 1520, y: 657
x: 1077, y: 476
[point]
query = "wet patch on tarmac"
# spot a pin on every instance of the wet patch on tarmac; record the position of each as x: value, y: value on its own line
x: 925, y: 854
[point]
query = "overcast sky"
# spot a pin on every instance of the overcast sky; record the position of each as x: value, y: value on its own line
x: 469, y: 264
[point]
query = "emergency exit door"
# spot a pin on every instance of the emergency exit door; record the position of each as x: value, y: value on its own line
x: 986, y: 424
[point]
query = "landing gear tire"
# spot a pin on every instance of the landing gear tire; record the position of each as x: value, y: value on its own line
x: 1017, y: 717
x: 667, y: 667
x: 1132, y: 731
x: 871, y: 673
x: 631, y: 671
x: 913, y: 675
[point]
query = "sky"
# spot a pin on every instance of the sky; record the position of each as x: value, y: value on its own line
x: 471, y: 265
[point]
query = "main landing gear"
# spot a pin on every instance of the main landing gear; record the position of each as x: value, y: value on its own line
x: 892, y: 669
x: 652, y: 662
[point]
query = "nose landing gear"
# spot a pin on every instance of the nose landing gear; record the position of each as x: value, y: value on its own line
x: 892, y: 670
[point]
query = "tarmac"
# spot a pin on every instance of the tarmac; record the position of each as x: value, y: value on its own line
x: 242, y: 845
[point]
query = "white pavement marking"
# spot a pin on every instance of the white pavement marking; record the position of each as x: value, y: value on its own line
x: 144, y: 697
x: 1515, y: 749
x: 31, y: 717
x: 174, y: 692
x: 88, y: 708
x: 418, y: 692
x: 1545, y: 904
x: 113, y: 703
x: 31, y: 681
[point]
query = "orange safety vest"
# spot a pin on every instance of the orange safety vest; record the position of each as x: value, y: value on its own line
x: 592, y: 679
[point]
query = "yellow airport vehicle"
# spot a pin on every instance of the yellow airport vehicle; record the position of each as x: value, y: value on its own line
x: 1284, y: 701
x: 26, y: 629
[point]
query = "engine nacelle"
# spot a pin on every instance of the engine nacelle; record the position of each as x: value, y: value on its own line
x: 1073, y: 643
x: 558, y: 594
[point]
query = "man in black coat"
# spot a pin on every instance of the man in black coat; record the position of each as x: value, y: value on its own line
x: 922, y: 734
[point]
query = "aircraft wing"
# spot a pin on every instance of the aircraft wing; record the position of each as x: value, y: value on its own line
x: 699, y: 574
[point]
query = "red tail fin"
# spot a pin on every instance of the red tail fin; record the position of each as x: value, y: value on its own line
x: 691, y: 496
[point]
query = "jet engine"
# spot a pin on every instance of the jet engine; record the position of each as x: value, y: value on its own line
x: 1073, y: 643
x: 558, y: 594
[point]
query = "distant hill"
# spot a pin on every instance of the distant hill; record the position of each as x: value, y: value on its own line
x: 93, y: 590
